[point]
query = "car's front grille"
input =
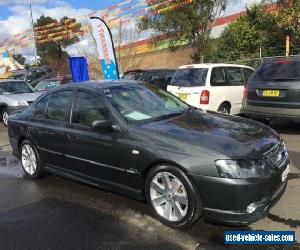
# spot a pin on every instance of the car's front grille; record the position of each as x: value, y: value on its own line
x: 278, y: 155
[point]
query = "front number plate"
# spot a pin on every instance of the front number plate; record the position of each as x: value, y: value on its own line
x: 271, y: 93
x: 285, y: 173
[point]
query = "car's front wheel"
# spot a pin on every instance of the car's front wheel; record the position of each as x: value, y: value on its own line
x: 30, y: 160
x: 173, y: 198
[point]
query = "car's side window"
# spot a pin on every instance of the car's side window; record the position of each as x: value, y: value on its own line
x: 235, y: 76
x: 40, y: 108
x: 218, y: 77
x: 88, y: 108
x: 57, y: 105
x: 247, y: 74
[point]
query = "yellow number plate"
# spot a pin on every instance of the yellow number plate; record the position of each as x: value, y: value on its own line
x: 271, y: 93
x: 183, y: 97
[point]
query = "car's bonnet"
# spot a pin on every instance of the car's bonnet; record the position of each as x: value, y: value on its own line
x: 28, y: 97
x: 226, y: 135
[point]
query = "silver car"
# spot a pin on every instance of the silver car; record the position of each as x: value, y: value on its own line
x: 15, y: 96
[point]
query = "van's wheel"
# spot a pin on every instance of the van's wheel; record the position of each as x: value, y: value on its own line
x: 31, y: 162
x: 4, y: 116
x: 224, y: 108
x: 172, y: 196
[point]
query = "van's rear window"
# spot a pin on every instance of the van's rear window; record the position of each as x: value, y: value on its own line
x: 279, y: 70
x: 190, y: 77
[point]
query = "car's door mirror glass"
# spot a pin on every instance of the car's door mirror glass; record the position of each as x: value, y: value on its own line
x: 101, y: 125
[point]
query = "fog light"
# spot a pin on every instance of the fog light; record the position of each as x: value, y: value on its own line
x: 251, y: 208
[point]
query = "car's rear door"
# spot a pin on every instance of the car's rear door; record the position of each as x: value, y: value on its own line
x: 236, y: 82
x: 276, y: 84
x: 47, y: 126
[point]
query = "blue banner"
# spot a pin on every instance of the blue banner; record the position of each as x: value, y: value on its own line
x: 259, y: 237
x: 79, y: 69
x: 105, y: 48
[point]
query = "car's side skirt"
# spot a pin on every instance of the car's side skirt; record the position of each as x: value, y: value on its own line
x: 100, y: 183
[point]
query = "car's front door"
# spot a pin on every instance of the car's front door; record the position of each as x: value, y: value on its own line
x: 47, y: 126
x: 99, y: 154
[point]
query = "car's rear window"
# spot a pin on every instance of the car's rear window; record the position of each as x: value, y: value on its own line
x: 279, y: 70
x: 189, y: 77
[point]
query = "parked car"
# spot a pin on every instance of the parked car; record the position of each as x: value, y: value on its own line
x: 141, y: 141
x: 50, y: 83
x: 158, y: 77
x: 33, y: 75
x: 273, y: 92
x: 132, y: 74
x: 15, y: 96
x: 215, y: 87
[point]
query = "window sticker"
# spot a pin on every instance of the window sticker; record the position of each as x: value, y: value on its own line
x: 137, y: 116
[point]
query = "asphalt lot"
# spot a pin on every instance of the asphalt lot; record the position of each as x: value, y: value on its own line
x: 55, y: 213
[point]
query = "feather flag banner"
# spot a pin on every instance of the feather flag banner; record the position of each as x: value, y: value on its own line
x: 105, y: 48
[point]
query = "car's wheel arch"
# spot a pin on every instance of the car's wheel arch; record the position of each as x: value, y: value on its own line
x: 225, y: 102
x: 3, y: 106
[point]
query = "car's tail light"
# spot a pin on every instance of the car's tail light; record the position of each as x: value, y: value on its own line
x: 204, y: 98
x: 246, y: 91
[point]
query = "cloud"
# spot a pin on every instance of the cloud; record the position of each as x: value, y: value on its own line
x: 10, y: 2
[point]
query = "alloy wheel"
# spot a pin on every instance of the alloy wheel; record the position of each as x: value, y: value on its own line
x: 5, y: 118
x: 169, y: 196
x: 29, y: 160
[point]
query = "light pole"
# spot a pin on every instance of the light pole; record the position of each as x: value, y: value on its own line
x: 34, y: 40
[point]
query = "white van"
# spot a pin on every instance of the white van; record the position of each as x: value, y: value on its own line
x: 215, y: 87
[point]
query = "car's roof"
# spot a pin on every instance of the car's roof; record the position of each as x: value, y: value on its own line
x: 211, y: 65
x: 10, y: 80
x: 274, y: 59
x: 98, y: 84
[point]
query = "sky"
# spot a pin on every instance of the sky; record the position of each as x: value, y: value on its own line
x: 15, y: 15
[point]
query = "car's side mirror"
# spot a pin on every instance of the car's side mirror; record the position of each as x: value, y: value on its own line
x: 101, y: 125
x: 104, y: 125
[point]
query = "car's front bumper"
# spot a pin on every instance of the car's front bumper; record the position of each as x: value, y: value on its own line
x: 226, y: 200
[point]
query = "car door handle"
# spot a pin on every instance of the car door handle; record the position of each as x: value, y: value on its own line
x: 45, y: 132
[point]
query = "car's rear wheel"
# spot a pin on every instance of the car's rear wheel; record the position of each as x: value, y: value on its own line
x: 4, y: 116
x: 172, y: 196
x: 224, y: 108
x: 30, y: 160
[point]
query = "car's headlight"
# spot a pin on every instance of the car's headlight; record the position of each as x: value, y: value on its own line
x: 242, y: 169
x: 19, y: 103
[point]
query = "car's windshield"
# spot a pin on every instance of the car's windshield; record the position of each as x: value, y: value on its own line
x: 7, y: 88
x: 279, y: 70
x: 190, y: 77
x: 144, y: 103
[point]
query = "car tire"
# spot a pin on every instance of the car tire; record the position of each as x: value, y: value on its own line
x: 30, y: 160
x: 179, y: 205
x: 224, y: 109
x: 4, y: 116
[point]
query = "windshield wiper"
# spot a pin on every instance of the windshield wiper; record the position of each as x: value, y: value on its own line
x: 285, y: 79
x: 165, y: 117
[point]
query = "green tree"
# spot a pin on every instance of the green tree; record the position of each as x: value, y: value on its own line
x: 257, y: 31
x: 288, y: 17
x: 191, y: 23
x: 54, y: 53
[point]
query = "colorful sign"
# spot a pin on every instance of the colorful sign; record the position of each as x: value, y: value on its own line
x: 105, y: 48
